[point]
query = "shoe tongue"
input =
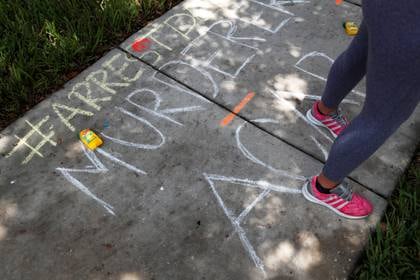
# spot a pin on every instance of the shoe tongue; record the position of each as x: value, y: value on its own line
x: 343, y: 190
x: 335, y: 114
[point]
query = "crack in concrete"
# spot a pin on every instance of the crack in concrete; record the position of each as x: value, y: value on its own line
x: 354, y: 3
x: 243, y: 118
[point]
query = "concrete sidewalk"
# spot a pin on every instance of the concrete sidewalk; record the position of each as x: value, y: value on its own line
x: 180, y: 189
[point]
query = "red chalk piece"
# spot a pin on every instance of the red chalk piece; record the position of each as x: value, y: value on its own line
x: 141, y: 44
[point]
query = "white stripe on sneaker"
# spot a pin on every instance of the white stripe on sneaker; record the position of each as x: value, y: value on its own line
x: 336, y: 202
x: 335, y: 126
x: 342, y: 205
x: 328, y: 120
x: 329, y: 199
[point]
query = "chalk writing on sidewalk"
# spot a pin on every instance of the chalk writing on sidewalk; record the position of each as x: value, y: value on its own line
x: 105, y: 89
x: 100, y: 87
x: 169, y: 23
x: 97, y: 168
x: 35, y: 130
x: 319, y: 56
x: 266, y: 188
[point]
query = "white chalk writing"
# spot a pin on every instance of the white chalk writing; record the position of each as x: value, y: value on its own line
x: 44, y: 140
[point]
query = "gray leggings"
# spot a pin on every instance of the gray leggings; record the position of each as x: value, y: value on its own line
x: 387, y: 51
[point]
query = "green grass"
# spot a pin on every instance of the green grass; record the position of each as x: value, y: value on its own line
x: 394, y: 249
x: 44, y: 43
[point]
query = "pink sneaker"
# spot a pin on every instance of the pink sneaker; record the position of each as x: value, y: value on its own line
x: 335, y: 122
x: 341, y: 200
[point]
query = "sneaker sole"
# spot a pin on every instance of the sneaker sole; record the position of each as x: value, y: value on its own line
x: 318, y: 123
x: 313, y: 199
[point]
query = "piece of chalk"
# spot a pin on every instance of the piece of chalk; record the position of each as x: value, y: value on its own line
x: 350, y: 28
x: 90, y: 139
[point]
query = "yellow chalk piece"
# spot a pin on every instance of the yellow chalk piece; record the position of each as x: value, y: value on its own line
x: 90, y: 139
x: 350, y: 28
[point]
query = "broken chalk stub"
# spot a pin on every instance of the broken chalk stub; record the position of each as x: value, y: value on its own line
x: 90, y: 139
x: 141, y: 44
x: 350, y: 28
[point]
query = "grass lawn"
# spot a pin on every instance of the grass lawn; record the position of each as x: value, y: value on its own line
x: 44, y: 43
x: 394, y: 249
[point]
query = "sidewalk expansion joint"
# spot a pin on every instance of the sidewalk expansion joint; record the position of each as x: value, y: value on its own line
x: 368, y: 188
x: 241, y: 116
x: 352, y: 2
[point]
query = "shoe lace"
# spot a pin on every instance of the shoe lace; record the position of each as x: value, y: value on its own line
x: 343, y: 190
x: 338, y: 116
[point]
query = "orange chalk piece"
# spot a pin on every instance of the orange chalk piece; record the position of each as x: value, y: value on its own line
x: 141, y: 45
x: 90, y: 139
x: 338, y: 2
x: 237, y: 109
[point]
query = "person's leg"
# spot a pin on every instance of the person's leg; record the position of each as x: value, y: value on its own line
x: 365, y: 134
x: 392, y: 89
x: 392, y: 94
x: 346, y: 72
x: 357, y: 142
